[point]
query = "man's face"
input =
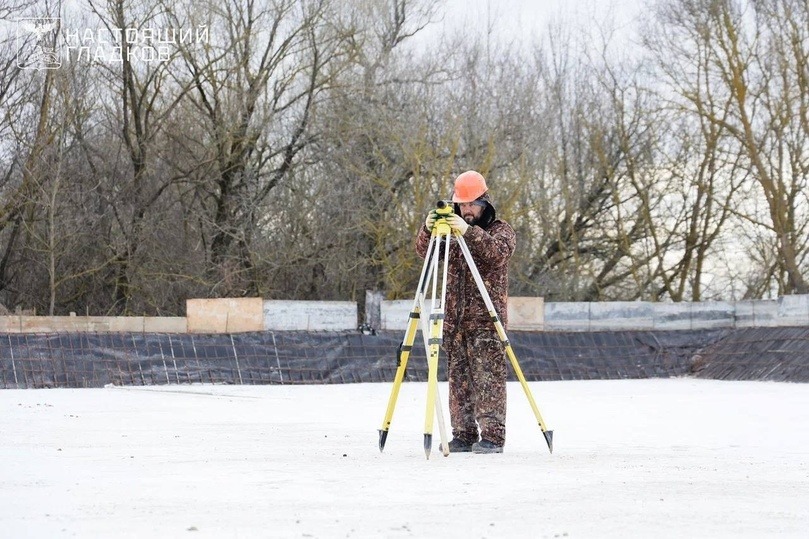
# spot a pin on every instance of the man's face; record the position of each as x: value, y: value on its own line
x: 471, y: 211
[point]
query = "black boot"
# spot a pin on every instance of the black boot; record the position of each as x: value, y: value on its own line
x: 485, y: 446
x: 458, y: 446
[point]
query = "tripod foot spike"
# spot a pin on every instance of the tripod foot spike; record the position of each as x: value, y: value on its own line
x: 428, y: 444
x: 549, y: 438
x: 383, y: 435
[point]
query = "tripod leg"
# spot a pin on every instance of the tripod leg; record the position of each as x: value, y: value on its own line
x: 439, y: 414
x: 404, y: 355
x: 432, y: 390
x: 434, y: 343
x: 442, y: 428
x: 407, y: 343
x: 501, y: 333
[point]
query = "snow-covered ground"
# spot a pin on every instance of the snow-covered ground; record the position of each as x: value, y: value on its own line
x: 632, y: 458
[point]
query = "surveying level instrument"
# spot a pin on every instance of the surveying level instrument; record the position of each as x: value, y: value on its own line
x: 432, y: 331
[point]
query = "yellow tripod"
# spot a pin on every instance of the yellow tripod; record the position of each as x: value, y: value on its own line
x: 441, y: 235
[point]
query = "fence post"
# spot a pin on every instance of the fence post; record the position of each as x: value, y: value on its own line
x: 373, y: 308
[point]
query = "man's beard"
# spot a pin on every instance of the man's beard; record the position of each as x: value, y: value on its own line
x: 470, y: 219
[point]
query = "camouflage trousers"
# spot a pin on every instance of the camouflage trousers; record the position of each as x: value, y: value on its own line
x: 476, y: 368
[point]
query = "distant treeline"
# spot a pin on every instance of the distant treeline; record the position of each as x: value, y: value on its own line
x: 288, y: 149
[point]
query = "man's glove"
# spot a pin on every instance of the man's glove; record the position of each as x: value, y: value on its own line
x: 432, y: 217
x: 456, y: 222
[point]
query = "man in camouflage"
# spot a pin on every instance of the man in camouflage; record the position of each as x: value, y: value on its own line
x: 476, y: 362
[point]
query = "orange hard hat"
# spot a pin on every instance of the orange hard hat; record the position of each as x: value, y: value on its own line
x: 469, y: 186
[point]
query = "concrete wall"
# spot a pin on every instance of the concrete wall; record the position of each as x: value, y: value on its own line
x: 793, y: 310
x: 618, y: 315
x: 283, y: 315
x: 225, y: 315
x: 533, y: 315
x: 235, y: 315
x: 524, y: 313
x: 100, y: 324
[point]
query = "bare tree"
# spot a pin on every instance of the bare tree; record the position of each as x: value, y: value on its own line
x: 748, y: 61
x: 591, y: 161
x: 139, y: 98
x: 20, y: 89
x: 374, y: 151
x: 256, y: 84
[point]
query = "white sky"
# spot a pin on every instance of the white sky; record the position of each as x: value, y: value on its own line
x: 632, y: 458
x: 529, y: 18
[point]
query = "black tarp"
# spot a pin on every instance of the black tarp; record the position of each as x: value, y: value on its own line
x: 98, y: 359
x: 775, y: 354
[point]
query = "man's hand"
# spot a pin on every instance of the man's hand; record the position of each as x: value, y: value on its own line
x: 432, y: 217
x: 456, y: 222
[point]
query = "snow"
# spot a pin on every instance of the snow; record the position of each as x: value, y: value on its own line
x: 663, y: 458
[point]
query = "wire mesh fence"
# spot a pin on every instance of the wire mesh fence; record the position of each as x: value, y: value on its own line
x: 98, y: 359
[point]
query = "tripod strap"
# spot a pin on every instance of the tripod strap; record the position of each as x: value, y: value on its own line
x: 402, y: 348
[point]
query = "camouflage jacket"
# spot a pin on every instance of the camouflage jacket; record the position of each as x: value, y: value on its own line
x: 491, y: 249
